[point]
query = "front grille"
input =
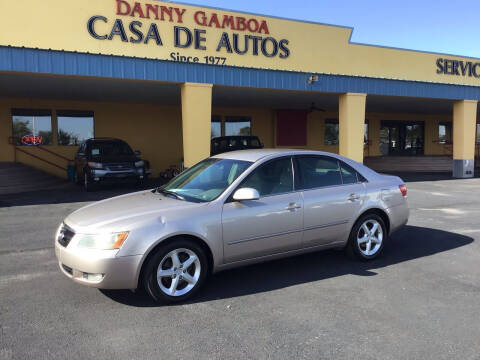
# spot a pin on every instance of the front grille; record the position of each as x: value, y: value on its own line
x: 65, y: 235
x: 119, y: 167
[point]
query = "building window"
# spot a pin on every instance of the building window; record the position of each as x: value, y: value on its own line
x: 478, y: 133
x: 32, y: 127
x: 445, y: 133
x: 238, y: 125
x: 216, y: 126
x: 74, y: 126
x: 331, y: 132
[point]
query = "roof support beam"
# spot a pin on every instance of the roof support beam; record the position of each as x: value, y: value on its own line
x: 351, y: 125
x: 196, y: 122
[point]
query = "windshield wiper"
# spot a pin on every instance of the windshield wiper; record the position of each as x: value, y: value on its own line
x: 168, y: 192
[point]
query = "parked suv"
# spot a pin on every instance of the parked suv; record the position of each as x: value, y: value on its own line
x: 101, y: 159
x: 232, y: 143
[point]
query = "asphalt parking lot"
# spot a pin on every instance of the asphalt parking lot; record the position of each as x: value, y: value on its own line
x: 420, y: 300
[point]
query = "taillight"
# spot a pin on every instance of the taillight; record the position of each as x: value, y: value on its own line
x: 403, y: 189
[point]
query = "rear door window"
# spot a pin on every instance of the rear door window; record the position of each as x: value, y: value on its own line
x: 349, y: 175
x: 223, y: 145
x: 319, y: 171
x: 233, y: 144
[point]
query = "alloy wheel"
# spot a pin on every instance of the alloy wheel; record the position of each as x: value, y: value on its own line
x: 370, y: 237
x: 178, y: 272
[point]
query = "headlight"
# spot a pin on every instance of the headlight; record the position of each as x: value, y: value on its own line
x: 102, y: 241
x: 140, y: 163
x: 95, y: 165
x: 57, y: 233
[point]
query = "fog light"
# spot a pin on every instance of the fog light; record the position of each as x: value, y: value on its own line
x: 93, y: 277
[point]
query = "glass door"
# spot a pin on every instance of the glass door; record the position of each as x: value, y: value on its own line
x: 414, y: 139
x: 403, y: 138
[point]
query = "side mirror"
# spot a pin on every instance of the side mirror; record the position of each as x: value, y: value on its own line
x: 246, y: 194
x: 137, y: 152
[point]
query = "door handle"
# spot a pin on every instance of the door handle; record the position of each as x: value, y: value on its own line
x: 293, y: 207
x: 354, y: 197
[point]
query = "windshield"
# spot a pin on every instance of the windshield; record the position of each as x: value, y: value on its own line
x: 110, y: 148
x: 207, y: 180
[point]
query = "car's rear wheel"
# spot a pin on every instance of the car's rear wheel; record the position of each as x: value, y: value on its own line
x: 175, y: 272
x: 367, y: 238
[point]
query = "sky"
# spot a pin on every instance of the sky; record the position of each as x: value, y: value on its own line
x: 443, y: 26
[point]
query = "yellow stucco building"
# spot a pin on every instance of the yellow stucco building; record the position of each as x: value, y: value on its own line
x: 167, y: 77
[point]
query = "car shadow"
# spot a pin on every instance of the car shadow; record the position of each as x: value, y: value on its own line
x: 71, y: 193
x: 409, y: 243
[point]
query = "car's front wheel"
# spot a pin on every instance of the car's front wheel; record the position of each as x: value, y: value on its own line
x: 140, y: 183
x: 88, y: 183
x: 76, y: 178
x: 367, y: 238
x: 176, y: 271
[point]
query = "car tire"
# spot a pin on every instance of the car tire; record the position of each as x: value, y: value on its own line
x: 367, y: 238
x: 140, y: 183
x: 76, y: 178
x: 179, y: 281
x: 88, y: 184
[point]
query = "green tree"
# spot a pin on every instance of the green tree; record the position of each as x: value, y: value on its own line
x: 20, y: 129
x: 66, y: 138
x: 245, y: 131
x: 47, y: 137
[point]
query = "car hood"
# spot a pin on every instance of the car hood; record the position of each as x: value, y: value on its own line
x: 121, y: 212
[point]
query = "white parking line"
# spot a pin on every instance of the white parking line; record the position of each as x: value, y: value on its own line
x: 439, y: 194
x: 448, y: 211
x: 6, y: 280
x: 466, y: 231
x: 36, y: 252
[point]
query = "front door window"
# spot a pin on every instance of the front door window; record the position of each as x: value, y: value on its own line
x: 275, y: 177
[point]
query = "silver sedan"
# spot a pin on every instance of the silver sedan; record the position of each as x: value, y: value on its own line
x: 227, y: 211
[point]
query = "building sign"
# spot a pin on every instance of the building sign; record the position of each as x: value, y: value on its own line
x: 458, y: 67
x: 166, y: 31
x: 136, y: 23
x: 31, y: 140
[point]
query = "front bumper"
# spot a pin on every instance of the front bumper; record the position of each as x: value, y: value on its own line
x: 112, y: 272
x: 103, y: 175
